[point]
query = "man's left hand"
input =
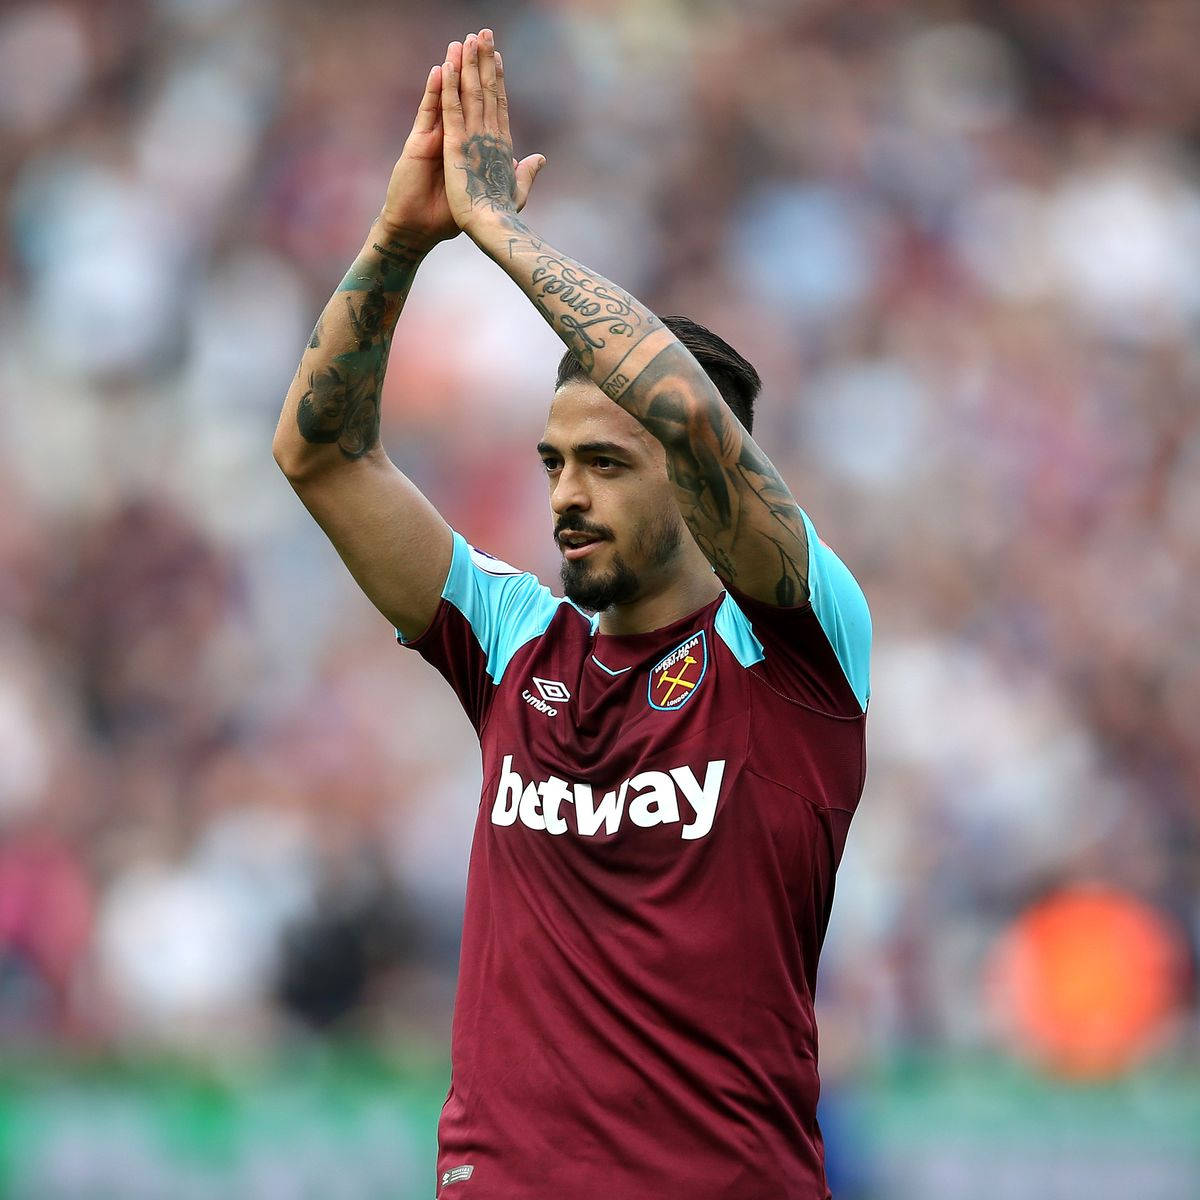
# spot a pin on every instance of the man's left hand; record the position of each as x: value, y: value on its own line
x: 483, y: 180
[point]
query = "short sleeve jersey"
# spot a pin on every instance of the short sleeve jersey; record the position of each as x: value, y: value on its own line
x: 649, y: 886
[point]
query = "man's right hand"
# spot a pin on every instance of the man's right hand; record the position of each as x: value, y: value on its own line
x: 416, y: 197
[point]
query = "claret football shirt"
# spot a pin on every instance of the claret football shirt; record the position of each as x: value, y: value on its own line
x: 649, y: 886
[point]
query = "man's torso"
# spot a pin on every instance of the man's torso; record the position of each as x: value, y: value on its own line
x: 660, y: 822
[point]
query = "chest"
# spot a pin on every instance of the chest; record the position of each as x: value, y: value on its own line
x: 601, y: 746
x: 600, y: 716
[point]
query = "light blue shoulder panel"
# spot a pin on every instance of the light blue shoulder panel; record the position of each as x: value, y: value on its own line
x: 505, y: 607
x: 736, y: 632
x: 840, y: 607
x: 842, y: 610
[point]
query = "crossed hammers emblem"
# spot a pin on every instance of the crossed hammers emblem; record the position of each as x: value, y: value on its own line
x: 675, y: 680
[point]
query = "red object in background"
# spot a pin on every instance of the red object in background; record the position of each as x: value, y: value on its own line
x: 46, y: 915
x: 1088, y: 980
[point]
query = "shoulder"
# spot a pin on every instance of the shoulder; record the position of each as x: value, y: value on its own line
x: 817, y: 652
x: 504, y: 607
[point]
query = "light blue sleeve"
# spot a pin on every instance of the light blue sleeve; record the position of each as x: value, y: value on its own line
x: 505, y: 607
x: 841, y: 608
x: 836, y: 601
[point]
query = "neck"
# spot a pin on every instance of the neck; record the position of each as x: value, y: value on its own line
x: 686, y: 592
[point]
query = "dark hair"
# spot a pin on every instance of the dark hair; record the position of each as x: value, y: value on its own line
x: 735, y: 378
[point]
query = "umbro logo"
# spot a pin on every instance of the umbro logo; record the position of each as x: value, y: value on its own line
x: 551, y: 693
x: 551, y: 690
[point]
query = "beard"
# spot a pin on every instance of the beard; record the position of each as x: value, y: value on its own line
x: 596, y: 590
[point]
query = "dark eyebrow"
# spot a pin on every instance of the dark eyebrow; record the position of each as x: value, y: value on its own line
x: 615, y: 449
x: 612, y: 448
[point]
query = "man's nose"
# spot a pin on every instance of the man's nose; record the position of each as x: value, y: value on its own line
x: 569, y: 493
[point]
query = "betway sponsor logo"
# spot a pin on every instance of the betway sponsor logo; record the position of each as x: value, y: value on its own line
x: 648, y: 798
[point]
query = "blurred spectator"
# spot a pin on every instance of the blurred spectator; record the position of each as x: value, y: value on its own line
x: 960, y: 241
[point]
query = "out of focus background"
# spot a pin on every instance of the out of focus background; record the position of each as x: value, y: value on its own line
x: 961, y: 242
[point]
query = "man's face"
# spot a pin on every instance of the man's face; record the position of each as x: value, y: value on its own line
x: 616, y: 522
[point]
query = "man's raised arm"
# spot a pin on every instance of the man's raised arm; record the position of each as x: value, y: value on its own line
x: 735, y: 503
x: 327, y: 442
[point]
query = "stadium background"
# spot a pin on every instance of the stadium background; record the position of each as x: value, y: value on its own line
x: 962, y: 244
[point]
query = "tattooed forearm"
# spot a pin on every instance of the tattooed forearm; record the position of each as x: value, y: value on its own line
x: 599, y: 322
x: 338, y: 388
x: 736, y: 505
x: 388, y: 266
x: 368, y: 318
x: 341, y: 405
x: 584, y: 312
x: 753, y: 532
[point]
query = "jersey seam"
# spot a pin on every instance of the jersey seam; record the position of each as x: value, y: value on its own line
x: 820, y: 806
x: 491, y: 708
x: 439, y: 618
x: 736, y: 594
x: 821, y: 712
x: 512, y: 658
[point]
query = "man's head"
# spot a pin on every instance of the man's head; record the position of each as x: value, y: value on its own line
x: 615, y: 517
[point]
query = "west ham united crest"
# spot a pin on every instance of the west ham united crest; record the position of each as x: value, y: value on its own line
x: 675, y: 679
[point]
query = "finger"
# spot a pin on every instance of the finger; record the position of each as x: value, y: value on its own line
x: 527, y: 172
x: 452, y: 113
x: 430, y: 111
x: 487, y: 79
x: 469, y: 88
x: 501, y: 99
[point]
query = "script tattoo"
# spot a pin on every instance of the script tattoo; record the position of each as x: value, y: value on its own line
x: 392, y: 272
x: 341, y: 404
x: 491, y: 179
x: 583, y: 309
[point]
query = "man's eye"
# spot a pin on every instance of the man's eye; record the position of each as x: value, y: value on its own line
x: 603, y: 463
x: 551, y: 464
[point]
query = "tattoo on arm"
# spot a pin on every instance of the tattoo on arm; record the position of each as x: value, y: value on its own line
x: 729, y: 492
x: 589, y: 313
x: 341, y: 403
x: 392, y: 272
x: 735, y: 503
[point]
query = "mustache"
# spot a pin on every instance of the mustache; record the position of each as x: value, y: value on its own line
x: 574, y: 524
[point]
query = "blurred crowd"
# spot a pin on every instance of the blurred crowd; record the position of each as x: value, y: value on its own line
x: 961, y: 243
